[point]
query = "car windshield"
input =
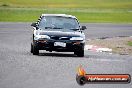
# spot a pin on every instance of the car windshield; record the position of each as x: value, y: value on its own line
x: 58, y: 22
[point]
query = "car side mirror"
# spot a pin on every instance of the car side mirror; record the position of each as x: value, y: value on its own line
x: 34, y: 24
x: 83, y: 28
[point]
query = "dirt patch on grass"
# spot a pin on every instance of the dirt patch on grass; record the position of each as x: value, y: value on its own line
x: 118, y: 44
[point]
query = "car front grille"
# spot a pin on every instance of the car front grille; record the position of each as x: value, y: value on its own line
x: 59, y: 38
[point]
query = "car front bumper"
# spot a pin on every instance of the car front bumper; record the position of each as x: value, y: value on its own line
x: 48, y: 45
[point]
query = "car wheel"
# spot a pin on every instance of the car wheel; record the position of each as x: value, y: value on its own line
x: 35, y: 50
x: 31, y: 48
x: 79, y: 53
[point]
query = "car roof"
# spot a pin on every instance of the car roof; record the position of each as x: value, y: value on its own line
x: 63, y: 15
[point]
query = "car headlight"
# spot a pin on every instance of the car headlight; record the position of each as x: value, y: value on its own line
x: 76, y: 38
x: 41, y: 36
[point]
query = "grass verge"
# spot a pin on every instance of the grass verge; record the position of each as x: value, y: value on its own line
x: 101, y: 11
x: 129, y: 43
x: 119, y: 45
x: 84, y: 15
x: 116, y: 4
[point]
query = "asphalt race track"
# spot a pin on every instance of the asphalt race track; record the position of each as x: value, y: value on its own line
x: 20, y: 69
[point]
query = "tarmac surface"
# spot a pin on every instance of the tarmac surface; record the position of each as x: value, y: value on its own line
x: 20, y: 69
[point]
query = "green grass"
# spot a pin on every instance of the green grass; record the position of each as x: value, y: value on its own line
x: 109, y: 11
x: 130, y: 43
x: 69, y: 3
x: 29, y: 15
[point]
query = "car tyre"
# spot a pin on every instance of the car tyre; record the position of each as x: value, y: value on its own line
x: 35, y: 50
x: 79, y: 53
x: 31, y: 48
